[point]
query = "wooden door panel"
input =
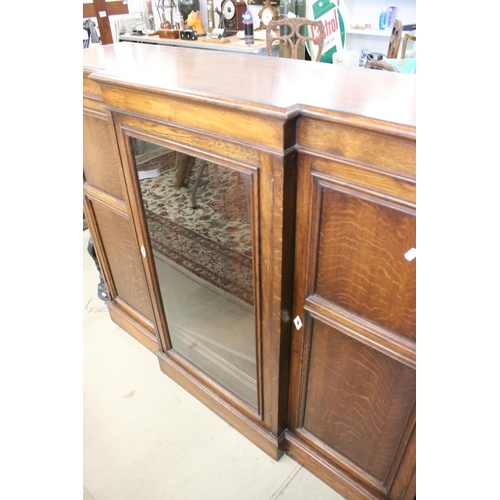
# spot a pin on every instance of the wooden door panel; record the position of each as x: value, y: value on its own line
x: 361, y: 264
x: 352, y: 388
x: 101, y: 163
x: 122, y: 255
x: 358, y: 399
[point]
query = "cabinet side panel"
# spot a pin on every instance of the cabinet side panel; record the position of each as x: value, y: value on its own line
x: 361, y: 260
x: 120, y: 247
x: 101, y: 165
x: 358, y: 400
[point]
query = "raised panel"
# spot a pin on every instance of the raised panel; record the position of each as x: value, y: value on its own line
x: 361, y: 264
x: 122, y: 254
x: 101, y: 164
x: 358, y: 400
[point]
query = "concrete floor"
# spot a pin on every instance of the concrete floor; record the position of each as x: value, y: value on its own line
x: 144, y: 437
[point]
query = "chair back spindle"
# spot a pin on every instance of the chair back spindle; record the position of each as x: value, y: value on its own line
x: 294, y: 38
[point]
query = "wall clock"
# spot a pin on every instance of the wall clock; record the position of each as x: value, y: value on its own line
x: 266, y: 14
x: 232, y: 12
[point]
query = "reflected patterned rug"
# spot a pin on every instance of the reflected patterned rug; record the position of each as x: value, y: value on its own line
x: 212, y: 241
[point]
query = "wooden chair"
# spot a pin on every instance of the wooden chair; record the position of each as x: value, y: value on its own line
x: 392, y: 50
x: 395, y: 40
x: 184, y: 163
x: 294, y: 39
x: 375, y: 64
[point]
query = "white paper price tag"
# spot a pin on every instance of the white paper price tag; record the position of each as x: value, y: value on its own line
x: 411, y: 254
x: 298, y: 323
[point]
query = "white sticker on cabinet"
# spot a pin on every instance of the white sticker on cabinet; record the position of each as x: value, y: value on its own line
x: 298, y: 323
x: 411, y: 254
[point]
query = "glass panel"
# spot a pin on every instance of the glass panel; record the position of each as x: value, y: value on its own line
x: 199, y: 221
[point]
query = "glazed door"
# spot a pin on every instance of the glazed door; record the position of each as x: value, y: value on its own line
x: 213, y: 214
x: 353, y: 357
x: 197, y: 218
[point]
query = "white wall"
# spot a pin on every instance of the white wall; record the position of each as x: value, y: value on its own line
x: 368, y: 12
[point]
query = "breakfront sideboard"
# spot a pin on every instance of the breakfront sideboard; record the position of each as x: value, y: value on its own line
x: 265, y: 250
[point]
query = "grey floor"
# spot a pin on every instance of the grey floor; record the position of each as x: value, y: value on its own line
x: 144, y: 437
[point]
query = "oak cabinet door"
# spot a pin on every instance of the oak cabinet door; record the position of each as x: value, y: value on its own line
x: 211, y: 249
x: 353, y: 361
x: 108, y: 215
x: 197, y: 216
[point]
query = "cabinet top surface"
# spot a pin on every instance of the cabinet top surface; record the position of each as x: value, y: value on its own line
x: 270, y: 83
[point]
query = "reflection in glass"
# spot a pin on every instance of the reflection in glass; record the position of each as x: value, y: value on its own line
x: 199, y: 222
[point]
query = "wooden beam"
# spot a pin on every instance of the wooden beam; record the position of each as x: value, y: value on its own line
x: 118, y: 7
x: 115, y: 8
x: 88, y: 10
x: 101, y: 10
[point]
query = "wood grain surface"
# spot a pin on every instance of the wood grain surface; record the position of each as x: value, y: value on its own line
x: 361, y: 264
x: 358, y: 400
x: 331, y: 151
x: 257, y: 82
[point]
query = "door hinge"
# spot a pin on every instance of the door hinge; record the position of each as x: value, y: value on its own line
x: 143, y: 251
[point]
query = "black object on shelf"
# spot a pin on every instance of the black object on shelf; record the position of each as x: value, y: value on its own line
x: 409, y: 27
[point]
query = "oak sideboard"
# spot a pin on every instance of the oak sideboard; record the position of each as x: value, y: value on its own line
x: 254, y: 220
